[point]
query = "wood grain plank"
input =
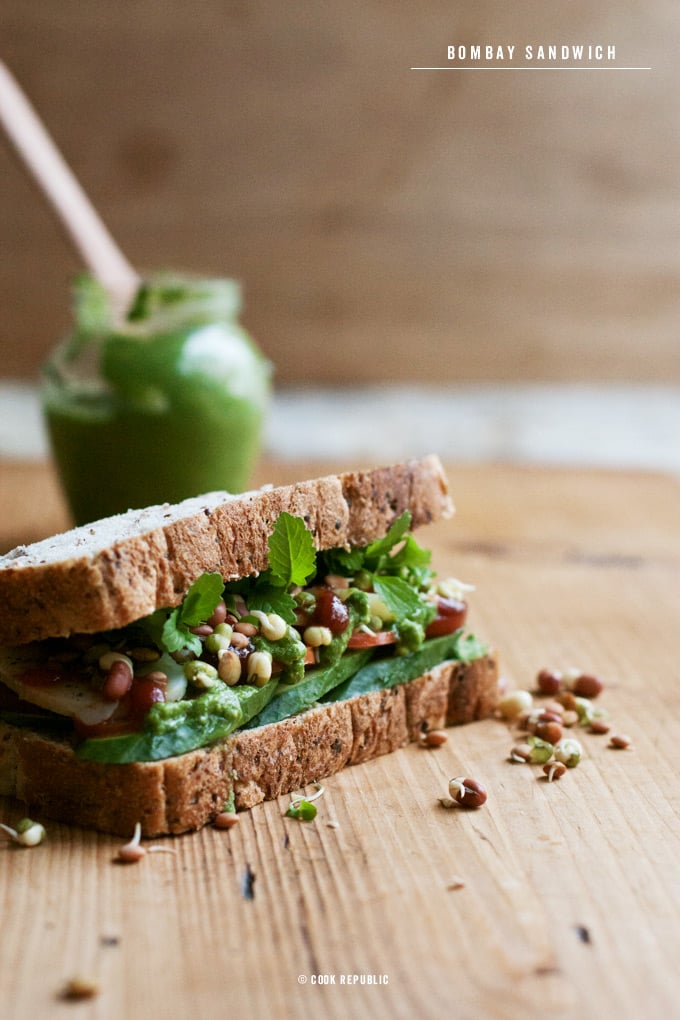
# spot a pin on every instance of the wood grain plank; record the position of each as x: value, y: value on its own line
x: 568, y: 893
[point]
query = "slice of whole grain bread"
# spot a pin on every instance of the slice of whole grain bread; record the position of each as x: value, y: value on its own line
x: 188, y: 791
x: 114, y: 571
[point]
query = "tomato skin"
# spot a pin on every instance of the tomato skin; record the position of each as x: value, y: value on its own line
x: 108, y: 728
x: 360, y: 639
x: 451, y: 614
x: 143, y: 694
x: 331, y: 612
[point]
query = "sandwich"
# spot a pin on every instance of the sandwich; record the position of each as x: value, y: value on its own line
x: 164, y: 665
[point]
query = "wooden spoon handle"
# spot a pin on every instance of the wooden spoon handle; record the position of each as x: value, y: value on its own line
x: 57, y: 182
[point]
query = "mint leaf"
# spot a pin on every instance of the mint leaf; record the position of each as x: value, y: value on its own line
x: 292, y: 556
x: 201, y: 599
x: 273, y: 600
x: 198, y: 605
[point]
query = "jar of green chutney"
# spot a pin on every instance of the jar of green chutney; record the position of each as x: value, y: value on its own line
x: 167, y: 404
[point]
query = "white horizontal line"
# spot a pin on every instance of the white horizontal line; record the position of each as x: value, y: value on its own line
x: 566, y: 67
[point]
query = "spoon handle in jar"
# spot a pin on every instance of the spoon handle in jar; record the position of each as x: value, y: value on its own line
x: 60, y: 186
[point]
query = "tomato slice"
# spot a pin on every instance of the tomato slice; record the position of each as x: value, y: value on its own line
x: 360, y: 639
x: 451, y: 614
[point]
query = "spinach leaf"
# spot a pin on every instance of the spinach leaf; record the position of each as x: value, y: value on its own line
x: 382, y: 674
x: 291, y: 699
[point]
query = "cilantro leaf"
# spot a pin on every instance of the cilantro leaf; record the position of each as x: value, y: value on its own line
x: 402, y: 600
x: 377, y: 552
x: 410, y: 555
x: 345, y: 562
x: 292, y: 556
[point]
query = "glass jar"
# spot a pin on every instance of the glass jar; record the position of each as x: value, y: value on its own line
x: 169, y: 404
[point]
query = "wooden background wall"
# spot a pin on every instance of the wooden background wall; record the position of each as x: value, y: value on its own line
x: 385, y: 223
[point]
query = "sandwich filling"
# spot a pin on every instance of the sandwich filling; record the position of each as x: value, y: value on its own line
x: 314, y: 627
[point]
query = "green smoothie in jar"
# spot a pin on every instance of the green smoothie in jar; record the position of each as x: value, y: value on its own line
x: 170, y: 403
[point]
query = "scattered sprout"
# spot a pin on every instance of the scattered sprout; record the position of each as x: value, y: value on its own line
x: 569, y: 752
x: 26, y: 833
x: 467, y: 793
x: 541, y: 750
x: 302, y: 809
x: 515, y: 703
x: 620, y: 741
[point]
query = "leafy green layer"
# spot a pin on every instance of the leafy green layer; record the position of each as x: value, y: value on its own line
x: 382, y: 674
x: 290, y: 699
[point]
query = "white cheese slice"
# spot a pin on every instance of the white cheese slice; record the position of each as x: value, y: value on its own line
x: 70, y: 695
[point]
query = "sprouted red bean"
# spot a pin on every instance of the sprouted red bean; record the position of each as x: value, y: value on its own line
x: 521, y: 753
x: 118, y: 681
x: 226, y: 820
x: 550, y: 731
x: 620, y: 741
x: 467, y: 793
x: 433, y: 738
x: 549, y: 681
x: 133, y: 851
x: 587, y: 686
x: 554, y: 770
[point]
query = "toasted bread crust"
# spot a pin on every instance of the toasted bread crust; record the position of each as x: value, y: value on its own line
x: 187, y: 792
x: 114, y: 572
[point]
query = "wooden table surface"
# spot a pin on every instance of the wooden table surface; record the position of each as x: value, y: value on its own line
x: 558, y: 899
